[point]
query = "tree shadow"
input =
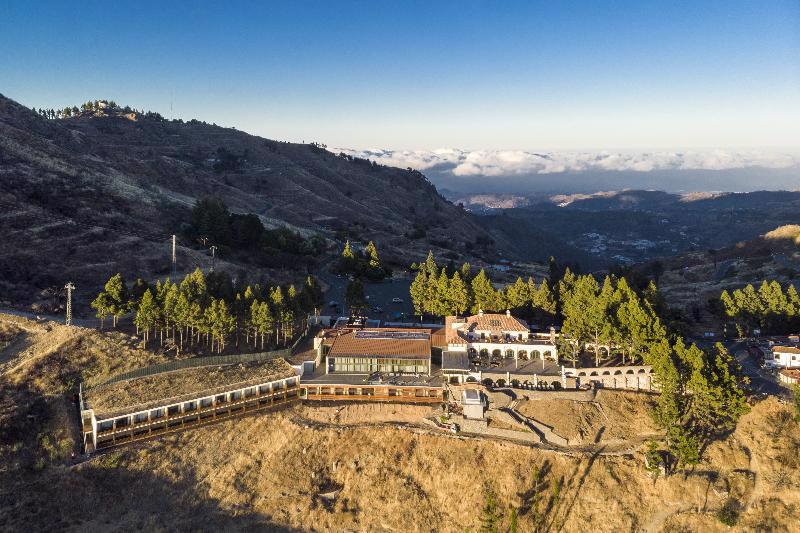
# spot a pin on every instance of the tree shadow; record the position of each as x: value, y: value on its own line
x: 40, y: 493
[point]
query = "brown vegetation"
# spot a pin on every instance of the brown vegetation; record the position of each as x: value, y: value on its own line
x: 314, y: 468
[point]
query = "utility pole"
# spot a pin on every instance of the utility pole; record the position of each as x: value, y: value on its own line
x: 70, y: 287
x: 213, y: 257
x: 174, y: 258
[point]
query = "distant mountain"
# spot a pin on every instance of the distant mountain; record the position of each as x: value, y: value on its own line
x: 83, y: 196
x: 632, y: 226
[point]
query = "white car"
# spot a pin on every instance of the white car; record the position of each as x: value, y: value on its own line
x: 397, y: 300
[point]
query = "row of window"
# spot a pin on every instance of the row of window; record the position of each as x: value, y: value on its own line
x: 362, y: 365
x: 190, y: 406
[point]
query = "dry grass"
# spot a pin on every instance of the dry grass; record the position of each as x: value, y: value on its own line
x: 789, y: 232
x: 270, y: 472
x: 151, y: 391
x: 612, y: 416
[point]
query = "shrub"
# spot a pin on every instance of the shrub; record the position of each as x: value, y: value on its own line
x: 729, y: 512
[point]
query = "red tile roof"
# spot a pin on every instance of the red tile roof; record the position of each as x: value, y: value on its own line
x: 356, y: 343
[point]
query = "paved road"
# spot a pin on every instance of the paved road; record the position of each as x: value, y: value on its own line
x: 761, y: 380
x: 83, y: 322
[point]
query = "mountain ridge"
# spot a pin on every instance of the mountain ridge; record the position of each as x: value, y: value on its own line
x: 69, y: 185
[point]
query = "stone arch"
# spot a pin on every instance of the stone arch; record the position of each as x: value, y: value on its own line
x: 606, y: 373
x: 509, y: 354
x: 630, y: 371
x: 557, y: 385
x: 522, y: 354
x: 535, y: 354
x: 497, y: 353
x: 642, y: 371
x: 593, y: 374
x: 581, y: 374
x: 472, y: 352
x: 472, y: 379
x: 488, y: 383
x: 618, y: 372
x: 484, y: 352
x: 501, y: 382
x: 515, y: 383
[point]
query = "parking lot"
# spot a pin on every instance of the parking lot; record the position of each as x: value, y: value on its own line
x: 379, y: 295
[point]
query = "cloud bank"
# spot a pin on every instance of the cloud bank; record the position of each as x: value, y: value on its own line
x: 519, y: 162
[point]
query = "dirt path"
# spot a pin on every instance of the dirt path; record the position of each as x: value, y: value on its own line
x: 656, y: 523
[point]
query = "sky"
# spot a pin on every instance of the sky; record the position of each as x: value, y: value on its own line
x: 422, y: 76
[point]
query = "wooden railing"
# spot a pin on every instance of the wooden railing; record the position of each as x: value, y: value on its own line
x: 215, y: 412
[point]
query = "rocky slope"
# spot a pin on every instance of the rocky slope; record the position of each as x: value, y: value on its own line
x: 84, y: 196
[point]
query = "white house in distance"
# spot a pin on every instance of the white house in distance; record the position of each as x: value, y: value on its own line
x: 784, y: 357
x: 498, y: 336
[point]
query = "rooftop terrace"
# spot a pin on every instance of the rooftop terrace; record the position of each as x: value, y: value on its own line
x: 171, y: 387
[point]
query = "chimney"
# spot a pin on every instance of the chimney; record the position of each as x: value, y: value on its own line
x: 508, y: 312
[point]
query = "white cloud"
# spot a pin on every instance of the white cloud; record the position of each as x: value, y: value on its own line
x: 519, y: 162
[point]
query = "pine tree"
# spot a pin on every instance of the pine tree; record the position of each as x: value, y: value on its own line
x: 543, y: 301
x: 517, y: 295
x: 483, y: 293
x: 182, y: 314
x: 465, y: 272
x: 459, y: 294
x: 418, y: 291
x: 490, y: 514
x: 430, y: 265
x: 103, y: 305
x: 581, y: 309
x: 374, y: 263
x: 443, y: 300
x: 347, y: 253
x: 118, y: 294
x: 146, y: 315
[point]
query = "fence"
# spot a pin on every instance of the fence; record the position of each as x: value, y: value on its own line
x: 211, y: 360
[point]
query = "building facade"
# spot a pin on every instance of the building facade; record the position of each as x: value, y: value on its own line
x: 784, y: 357
x: 494, y: 336
x: 394, y: 352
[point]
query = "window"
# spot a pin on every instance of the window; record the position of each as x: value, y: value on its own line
x: 221, y: 398
x: 189, y: 406
x: 156, y: 413
x: 138, y: 418
x: 205, y: 402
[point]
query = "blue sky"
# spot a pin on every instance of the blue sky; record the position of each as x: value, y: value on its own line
x: 405, y: 75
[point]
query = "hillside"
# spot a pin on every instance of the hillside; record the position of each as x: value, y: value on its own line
x: 85, y: 196
x: 626, y: 227
x: 353, y: 468
x: 690, y: 279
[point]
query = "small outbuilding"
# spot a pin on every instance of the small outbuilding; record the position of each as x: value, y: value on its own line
x: 473, y: 404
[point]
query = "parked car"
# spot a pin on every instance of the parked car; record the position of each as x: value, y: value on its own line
x: 397, y: 300
x: 333, y: 303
